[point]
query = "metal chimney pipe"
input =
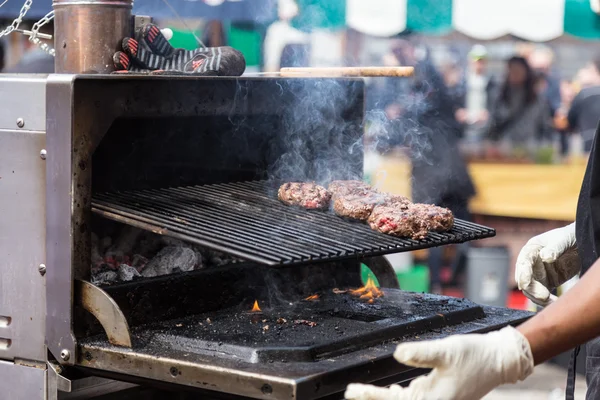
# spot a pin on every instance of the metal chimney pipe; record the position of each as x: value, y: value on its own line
x: 88, y: 32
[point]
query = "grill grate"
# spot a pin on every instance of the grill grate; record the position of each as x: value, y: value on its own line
x: 246, y: 220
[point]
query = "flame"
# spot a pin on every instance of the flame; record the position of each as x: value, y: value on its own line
x: 368, y: 292
x: 256, y: 308
x: 313, y: 297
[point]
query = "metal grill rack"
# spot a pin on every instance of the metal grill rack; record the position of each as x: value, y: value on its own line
x: 246, y: 220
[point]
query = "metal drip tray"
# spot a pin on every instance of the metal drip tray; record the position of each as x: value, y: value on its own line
x: 314, y: 329
x: 306, y: 351
x: 246, y: 219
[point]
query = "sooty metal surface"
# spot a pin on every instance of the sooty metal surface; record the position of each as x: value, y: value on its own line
x: 310, y: 330
x: 246, y: 219
x: 301, y: 350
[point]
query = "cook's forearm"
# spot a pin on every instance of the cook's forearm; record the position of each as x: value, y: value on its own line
x: 572, y: 320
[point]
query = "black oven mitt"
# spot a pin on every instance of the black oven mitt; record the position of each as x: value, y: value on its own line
x: 151, y: 53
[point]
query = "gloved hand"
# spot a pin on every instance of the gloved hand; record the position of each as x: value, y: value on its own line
x: 546, y: 262
x: 465, y: 367
x: 151, y: 53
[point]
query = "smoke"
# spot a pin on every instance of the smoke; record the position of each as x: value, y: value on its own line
x: 321, y: 131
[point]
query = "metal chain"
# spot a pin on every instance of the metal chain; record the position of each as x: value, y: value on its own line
x: 35, y: 31
x: 15, y: 24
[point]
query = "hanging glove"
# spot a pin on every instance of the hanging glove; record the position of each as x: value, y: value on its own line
x: 546, y: 262
x: 465, y: 367
x: 151, y: 53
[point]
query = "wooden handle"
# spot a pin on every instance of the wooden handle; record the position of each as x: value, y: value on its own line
x: 349, y: 71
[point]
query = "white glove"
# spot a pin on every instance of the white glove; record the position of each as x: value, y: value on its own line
x: 546, y: 262
x: 465, y: 367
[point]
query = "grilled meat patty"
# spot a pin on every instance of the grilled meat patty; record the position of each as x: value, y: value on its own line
x: 414, y: 220
x: 360, y: 205
x: 438, y: 219
x: 343, y: 188
x: 395, y: 221
x: 306, y: 195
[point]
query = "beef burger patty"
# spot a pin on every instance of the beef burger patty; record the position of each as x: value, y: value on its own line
x: 305, y: 195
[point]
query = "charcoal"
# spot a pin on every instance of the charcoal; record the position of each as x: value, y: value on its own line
x: 127, y: 273
x: 104, y: 278
x: 169, y: 260
x: 199, y: 261
x: 169, y: 241
x: 139, y: 262
x: 149, y: 244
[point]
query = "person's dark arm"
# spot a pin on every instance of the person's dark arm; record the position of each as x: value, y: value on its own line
x: 571, y: 321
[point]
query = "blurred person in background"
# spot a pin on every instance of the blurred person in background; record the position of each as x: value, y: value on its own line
x: 585, y: 108
x: 561, y: 124
x: 422, y: 114
x: 541, y: 60
x: 454, y: 79
x: 35, y: 60
x: 284, y: 45
x: 520, y: 119
x: 474, y: 108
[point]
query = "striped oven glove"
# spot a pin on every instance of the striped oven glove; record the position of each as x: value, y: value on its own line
x: 152, y: 54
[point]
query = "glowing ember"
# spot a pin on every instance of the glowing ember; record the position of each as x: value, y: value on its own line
x: 312, y: 298
x: 368, y: 292
x: 368, y: 295
x: 256, y: 308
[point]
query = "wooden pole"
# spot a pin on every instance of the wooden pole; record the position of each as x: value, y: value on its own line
x: 349, y: 71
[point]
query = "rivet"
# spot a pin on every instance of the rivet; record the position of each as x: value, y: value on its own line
x: 43, y: 154
x: 20, y: 122
x: 65, y: 355
x: 42, y: 269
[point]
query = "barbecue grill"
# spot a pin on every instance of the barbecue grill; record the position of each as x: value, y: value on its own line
x: 193, y: 164
x: 199, y: 161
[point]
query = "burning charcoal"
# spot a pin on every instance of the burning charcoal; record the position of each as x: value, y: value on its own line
x: 139, y: 262
x: 104, y: 278
x: 170, y: 259
x: 200, y: 262
x: 305, y: 322
x: 127, y: 273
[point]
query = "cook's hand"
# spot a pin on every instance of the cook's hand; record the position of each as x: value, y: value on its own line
x: 465, y: 367
x: 546, y: 262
